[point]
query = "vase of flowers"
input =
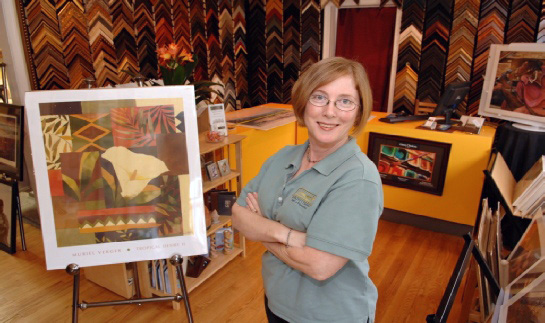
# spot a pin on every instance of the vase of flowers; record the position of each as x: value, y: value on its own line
x: 177, y: 65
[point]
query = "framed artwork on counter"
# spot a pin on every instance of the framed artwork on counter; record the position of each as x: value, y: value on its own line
x: 415, y: 164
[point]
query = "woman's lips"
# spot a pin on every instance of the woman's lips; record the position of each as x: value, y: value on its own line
x: 326, y: 126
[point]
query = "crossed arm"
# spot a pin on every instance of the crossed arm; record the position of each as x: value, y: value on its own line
x: 315, y: 263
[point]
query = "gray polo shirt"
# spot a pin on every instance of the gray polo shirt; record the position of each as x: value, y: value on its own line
x: 337, y: 203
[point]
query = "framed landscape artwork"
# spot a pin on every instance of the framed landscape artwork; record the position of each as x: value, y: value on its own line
x: 7, y: 217
x: 11, y: 140
x: 415, y: 164
x: 117, y: 174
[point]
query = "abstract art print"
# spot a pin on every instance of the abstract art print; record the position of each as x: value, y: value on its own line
x: 7, y: 217
x: 11, y: 140
x: 415, y: 164
x: 117, y: 174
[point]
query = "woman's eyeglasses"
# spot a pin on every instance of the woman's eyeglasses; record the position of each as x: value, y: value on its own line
x: 343, y: 104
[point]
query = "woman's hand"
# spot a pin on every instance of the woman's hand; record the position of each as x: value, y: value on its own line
x: 252, y: 203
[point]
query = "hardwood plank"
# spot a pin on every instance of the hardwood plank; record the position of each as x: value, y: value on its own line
x: 410, y: 266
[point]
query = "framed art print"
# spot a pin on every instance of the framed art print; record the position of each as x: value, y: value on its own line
x: 11, y: 140
x: 117, y: 174
x: 513, y: 85
x: 7, y: 217
x: 410, y: 163
x: 223, y: 165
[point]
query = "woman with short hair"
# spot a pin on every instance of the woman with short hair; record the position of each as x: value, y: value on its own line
x: 315, y: 206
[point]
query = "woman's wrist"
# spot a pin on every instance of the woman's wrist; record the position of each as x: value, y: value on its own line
x: 288, y: 238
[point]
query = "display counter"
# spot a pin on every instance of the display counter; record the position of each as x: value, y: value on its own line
x: 464, y: 180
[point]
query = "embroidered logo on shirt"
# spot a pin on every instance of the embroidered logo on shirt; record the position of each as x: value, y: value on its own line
x: 303, y: 197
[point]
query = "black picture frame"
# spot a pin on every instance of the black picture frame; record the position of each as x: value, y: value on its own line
x: 11, y: 140
x: 7, y: 216
x: 415, y: 164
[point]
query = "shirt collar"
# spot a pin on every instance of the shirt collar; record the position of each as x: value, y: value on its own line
x: 332, y: 161
x: 295, y: 161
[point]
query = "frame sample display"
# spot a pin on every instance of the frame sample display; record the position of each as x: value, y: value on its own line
x: 117, y: 174
x: 415, y: 164
x: 7, y: 217
x: 11, y: 140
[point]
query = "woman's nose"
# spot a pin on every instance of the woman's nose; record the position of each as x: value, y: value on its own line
x: 329, y: 109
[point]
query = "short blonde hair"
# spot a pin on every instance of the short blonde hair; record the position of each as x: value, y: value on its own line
x: 325, y: 72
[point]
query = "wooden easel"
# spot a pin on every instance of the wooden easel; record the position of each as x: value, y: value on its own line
x: 175, y: 260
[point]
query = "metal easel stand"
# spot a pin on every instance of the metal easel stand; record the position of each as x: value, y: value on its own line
x: 19, y: 214
x: 175, y: 260
x: 18, y: 209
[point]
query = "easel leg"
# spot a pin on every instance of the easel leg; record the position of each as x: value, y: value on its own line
x: 20, y: 217
x: 73, y: 270
x: 177, y: 260
x: 136, y: 280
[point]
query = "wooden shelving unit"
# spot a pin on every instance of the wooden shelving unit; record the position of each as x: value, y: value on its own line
x: 224, y: 221
x: 218, y: 262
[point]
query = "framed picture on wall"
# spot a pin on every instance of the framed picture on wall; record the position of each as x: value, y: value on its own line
x: 415, y: 164
x: 7, y: 217
x: 11, y: 140
x: 117, y: 174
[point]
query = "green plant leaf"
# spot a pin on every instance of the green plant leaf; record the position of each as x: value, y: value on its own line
x: 167, y: 75
x: 178, y: 76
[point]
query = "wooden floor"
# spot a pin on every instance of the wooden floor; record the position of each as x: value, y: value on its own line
x: 410, y: 266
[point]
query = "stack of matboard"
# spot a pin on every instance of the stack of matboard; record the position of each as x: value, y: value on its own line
x: 529, y: 192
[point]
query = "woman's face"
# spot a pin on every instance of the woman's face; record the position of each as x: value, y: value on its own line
x: 329, y: 126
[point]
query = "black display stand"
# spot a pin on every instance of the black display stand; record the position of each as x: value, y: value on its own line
x: 14, y: 183
x: 456, y: 278
x: 19, y: 214
x: 520, y: 148
x: 175, y: 260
